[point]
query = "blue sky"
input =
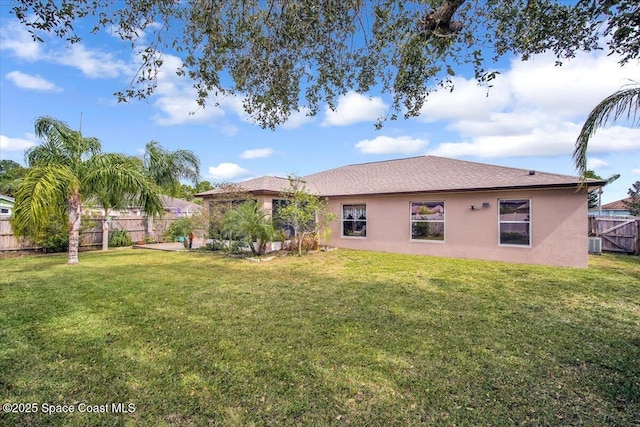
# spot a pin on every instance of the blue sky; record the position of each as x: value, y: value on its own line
x: 529, y: 119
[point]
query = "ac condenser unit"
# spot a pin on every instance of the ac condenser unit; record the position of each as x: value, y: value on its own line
x: 595, y: 245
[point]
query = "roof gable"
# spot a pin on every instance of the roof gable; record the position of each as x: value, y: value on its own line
x: 618, y: 205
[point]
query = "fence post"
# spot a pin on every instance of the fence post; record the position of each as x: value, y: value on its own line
x: 637, y: 229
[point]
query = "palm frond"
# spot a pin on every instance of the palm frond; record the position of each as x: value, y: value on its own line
x: 117, y: 181
x: 60, y: 145
x: 624, y: 102
x: 42, y: 194
x: 166, y: 168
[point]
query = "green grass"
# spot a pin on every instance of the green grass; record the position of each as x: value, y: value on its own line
x: 338, y: 338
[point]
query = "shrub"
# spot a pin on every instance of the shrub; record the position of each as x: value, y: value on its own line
x: 119, y: 238
x: 56, y: 238
x: 214, y: 245
x: 309, y: 243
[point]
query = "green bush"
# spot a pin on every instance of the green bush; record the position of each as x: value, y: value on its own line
x: 56, y: 238
x: 215, y: 245
x: 119, y: 238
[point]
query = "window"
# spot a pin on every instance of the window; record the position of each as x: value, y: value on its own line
x: 427, y: 221
x: 354, y: 220
x: 515, y: 224
x: 278, y: 223
x: 4, y: 211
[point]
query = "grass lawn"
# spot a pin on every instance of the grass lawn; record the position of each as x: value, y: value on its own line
x: 338, y: 338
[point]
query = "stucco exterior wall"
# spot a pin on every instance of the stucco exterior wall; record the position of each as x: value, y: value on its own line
x: 558, y: 226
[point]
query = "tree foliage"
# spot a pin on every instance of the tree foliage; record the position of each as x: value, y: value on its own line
x: 249, y: 223
x: 11, y: 174
x: 305, y: 212
x: 284, y: 56
x: 67, y: 169
x: 187, y: 227
x: 166, y: 168
x: 634, y: 203
x: 623, y: 103
x: 594, y: 196
x: 229, y: 195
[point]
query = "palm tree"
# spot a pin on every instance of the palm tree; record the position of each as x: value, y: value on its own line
x: 118, y: 194
x: 166, y: 168
x: 251, y: 223
x: 67, y: 169
x: 625, y: 101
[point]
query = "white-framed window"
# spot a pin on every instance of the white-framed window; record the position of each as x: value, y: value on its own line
x: 427, y: 221
x: 514, y: 222
x: 354, y: 220
x: 4, y: 211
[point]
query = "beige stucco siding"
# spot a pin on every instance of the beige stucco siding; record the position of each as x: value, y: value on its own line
x: 558, y: 226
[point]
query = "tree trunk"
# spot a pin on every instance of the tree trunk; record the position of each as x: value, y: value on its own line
x: 105, y: 232
x: 300, y: 243
x: 439, y: 19
x: 75, y: 213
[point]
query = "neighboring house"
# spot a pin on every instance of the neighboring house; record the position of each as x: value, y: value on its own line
x: 616, y: 208
x: 172, y: 206
x: 453, y: 208
x: 179, y: 207
x: 6, y: 205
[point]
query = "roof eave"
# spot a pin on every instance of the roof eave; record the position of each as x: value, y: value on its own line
x: 468, y: 190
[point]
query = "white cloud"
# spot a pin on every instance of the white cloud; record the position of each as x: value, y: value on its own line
x: 16, y: 144
x: 176, y: 102
x: 353, y: 108
x: 15, y: 38
x: 298, y: 119
x: 550, y: 140
x: 256, y: 153
x: 596, y: 163
x: 615, y: 139
x: 535, y: 109
x: 391, y: 145
x: 176, y: 98
x: 93, y: 63
x: 28, y: 81
x: 227, y: 171
x: 572, y: 89
x: 635, y: 171
x: 467, y: 101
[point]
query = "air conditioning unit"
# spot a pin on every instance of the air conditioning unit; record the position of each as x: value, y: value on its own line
x: 595, y: 245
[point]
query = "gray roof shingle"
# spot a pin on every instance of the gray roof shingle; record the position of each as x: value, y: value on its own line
x: 430, y: 174
x: 270, y: 184
x: 178, y: 205
x: 416, y: 175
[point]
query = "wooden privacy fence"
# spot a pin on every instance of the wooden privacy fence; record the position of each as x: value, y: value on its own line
x: 138, y: 227
x: 619, y: 234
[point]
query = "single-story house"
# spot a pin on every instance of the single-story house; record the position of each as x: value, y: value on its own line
x: 171, y: 206
x: 617, y: 208
x: 6, y: 205
x: 431, y: 205
x: 179, y: 207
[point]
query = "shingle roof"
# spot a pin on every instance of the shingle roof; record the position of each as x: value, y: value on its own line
x: 270, y: 184
x: 178, y: 205
x: 413, y: 175
x: 617, y: 205
x: 430, y: 174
